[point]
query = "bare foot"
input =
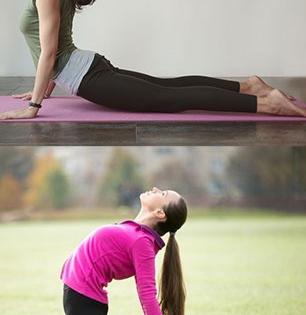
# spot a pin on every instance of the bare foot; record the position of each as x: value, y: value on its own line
x: 277, y: 103
x: 254, y: 85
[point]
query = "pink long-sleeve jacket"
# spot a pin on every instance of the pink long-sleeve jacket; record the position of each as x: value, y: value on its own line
x: 116, y: 251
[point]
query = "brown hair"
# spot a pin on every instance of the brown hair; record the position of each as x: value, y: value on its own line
x: 78, y: 4
x: 172, y: 292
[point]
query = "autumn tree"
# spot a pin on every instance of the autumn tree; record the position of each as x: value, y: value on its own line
x: 48, y: 185
x: 10, y: 193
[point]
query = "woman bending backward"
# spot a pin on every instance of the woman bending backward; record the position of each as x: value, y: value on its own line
x: 119, y: 251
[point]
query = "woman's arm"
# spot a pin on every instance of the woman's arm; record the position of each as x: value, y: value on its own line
x: 50, y: 88
x: 49, y: 23
x: 143, y: 256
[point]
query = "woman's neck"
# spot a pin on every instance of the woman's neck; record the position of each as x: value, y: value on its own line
x: 142, y: 218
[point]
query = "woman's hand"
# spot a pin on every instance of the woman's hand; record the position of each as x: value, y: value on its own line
x: 28, y: 112
x: 27, y: 96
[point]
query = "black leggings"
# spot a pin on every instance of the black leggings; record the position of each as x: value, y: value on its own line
x: 128, y: 90
x: 78, y: 304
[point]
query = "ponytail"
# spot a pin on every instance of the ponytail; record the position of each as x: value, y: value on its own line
x: 172, y: 291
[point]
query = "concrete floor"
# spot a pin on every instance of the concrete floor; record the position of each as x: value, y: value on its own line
x: 163, y: 133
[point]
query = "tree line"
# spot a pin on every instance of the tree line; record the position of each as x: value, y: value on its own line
x: 255, y: 176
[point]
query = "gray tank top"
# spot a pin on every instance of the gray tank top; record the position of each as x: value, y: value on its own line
x: 69, y: 79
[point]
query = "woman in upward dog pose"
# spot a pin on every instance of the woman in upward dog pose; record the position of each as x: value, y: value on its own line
x: 47, y: 27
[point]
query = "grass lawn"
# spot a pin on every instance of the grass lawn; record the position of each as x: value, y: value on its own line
x: 232, y: 266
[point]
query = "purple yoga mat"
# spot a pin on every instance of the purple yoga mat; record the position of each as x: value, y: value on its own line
x: 77, y: 109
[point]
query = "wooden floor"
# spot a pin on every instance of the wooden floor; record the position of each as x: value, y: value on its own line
x: 162, y: 133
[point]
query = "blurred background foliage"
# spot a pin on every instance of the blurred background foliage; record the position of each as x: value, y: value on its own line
x: 62, y: 178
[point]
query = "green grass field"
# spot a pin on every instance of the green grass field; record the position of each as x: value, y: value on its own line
x: 232, y: 266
